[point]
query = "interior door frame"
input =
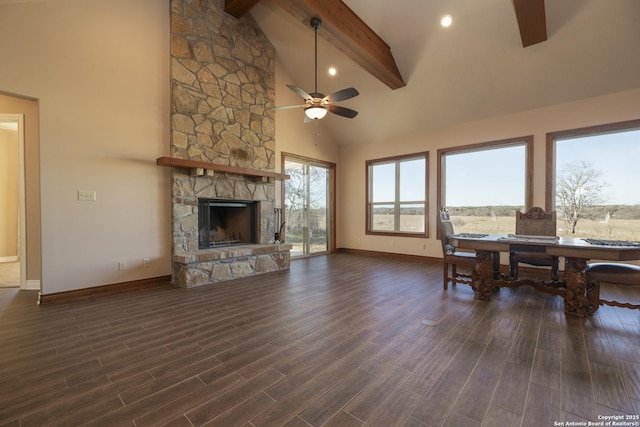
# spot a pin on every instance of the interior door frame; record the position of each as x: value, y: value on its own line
x: 22, y: 230
x: 331, y: 197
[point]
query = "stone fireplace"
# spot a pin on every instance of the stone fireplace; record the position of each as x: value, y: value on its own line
x: 222, y: 144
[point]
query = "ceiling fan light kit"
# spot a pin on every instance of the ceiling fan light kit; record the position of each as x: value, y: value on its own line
x: 316, y: 105
x: 315, y: 113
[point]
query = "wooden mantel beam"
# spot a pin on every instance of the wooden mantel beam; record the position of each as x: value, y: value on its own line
x: 198, y: 168
x: 531, y: 21
x: 238, y: 8
x: 348, y: 33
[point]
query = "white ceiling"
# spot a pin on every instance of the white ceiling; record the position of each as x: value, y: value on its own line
x: 475, y: 69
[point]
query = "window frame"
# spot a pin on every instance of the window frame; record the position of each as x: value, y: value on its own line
x: 527, y: 141
x: 369, y: 203
x: 550, y: 160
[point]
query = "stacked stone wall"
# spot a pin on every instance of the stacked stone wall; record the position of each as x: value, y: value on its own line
x: 222, y: 93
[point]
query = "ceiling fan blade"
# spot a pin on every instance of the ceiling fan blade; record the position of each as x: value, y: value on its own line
x: 300, y: 92
x: 286, y: 107
x: 342, y: 95
x: 342, y: 111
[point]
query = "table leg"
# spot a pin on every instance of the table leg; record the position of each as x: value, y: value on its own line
x: 482, y: 278
x: 575, y: 298
x: 593, y: 297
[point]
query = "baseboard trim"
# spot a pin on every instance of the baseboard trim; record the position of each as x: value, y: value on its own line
x: 8, y: 258
x: 86, y: 293
x: 405, y: 257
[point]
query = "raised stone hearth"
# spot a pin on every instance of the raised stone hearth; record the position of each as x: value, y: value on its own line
x: 208, y: 266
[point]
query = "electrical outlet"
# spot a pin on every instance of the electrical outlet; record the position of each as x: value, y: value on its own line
x: 145, y: 262
x: 86, y: 196
x: 122, y: 266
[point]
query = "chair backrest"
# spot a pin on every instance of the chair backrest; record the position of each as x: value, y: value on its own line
x: 536, y: 222
x: 444, y: 214
x: 446, y: 230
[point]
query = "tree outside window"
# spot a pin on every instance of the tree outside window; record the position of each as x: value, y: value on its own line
x: 593, y: 178
x: 579, y: 189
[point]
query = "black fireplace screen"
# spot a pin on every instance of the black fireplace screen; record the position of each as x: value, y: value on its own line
x: 226, y: 222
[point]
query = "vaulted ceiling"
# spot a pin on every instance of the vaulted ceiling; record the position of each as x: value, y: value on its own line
x: 475, y: 69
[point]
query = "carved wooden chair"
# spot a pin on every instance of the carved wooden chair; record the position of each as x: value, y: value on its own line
x: 534, y: 222
x: 451, y: 256
x: 618, y: 274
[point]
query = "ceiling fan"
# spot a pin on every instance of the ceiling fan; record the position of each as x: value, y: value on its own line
x: 316, y: 105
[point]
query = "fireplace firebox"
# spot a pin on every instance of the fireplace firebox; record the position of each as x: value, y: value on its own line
x: 226, y: 222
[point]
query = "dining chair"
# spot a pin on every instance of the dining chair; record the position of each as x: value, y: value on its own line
x: 534, y: 222
x: 616, y: 274
x: 451, y: 256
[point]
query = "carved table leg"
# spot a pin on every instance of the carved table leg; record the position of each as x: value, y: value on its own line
x: 575, y: 298
x: 482, y: 280
x: 593, y: 297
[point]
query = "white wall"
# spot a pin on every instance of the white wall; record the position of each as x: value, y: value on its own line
x: 351, y: 192
x: 99, y: 69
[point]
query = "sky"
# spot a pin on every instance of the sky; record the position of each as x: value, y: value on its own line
x: 487, y: 177
x: 411, y: 172
x: 617, y: 156
x: 471, y: 177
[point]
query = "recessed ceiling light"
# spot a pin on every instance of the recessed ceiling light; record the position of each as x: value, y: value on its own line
x: 446, y: 21
x: 332, y: 71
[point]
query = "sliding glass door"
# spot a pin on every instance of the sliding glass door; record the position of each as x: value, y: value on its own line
x: 307, y: 208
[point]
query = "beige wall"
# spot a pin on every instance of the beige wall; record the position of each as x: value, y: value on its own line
x: 99, y: 71
x: 351, y: 217
x: 9, y: 208
x: 29, y: 110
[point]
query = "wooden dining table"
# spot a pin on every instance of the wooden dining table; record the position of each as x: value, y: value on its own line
x: 580, y: 298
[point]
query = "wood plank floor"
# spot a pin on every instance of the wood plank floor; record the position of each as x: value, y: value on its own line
x: 336, y: 341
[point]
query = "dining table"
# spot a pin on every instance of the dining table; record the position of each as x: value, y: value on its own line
x: 580, y: 298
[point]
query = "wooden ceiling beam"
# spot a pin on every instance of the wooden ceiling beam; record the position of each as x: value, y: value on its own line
x: 238, y: 8
x: 343, y: 29
x: 531, y: 21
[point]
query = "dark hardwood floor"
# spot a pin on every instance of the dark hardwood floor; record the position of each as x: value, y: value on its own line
x: 336, y: 341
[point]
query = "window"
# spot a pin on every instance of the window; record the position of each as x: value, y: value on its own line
x: 397, y: 195
x: 592, y: 181
x: 482, y: 185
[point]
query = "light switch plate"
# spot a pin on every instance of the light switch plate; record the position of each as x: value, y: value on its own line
x: 86, y: 196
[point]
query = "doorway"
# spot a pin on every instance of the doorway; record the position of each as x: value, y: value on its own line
x: 309, y: 212
x: 12, y: 202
